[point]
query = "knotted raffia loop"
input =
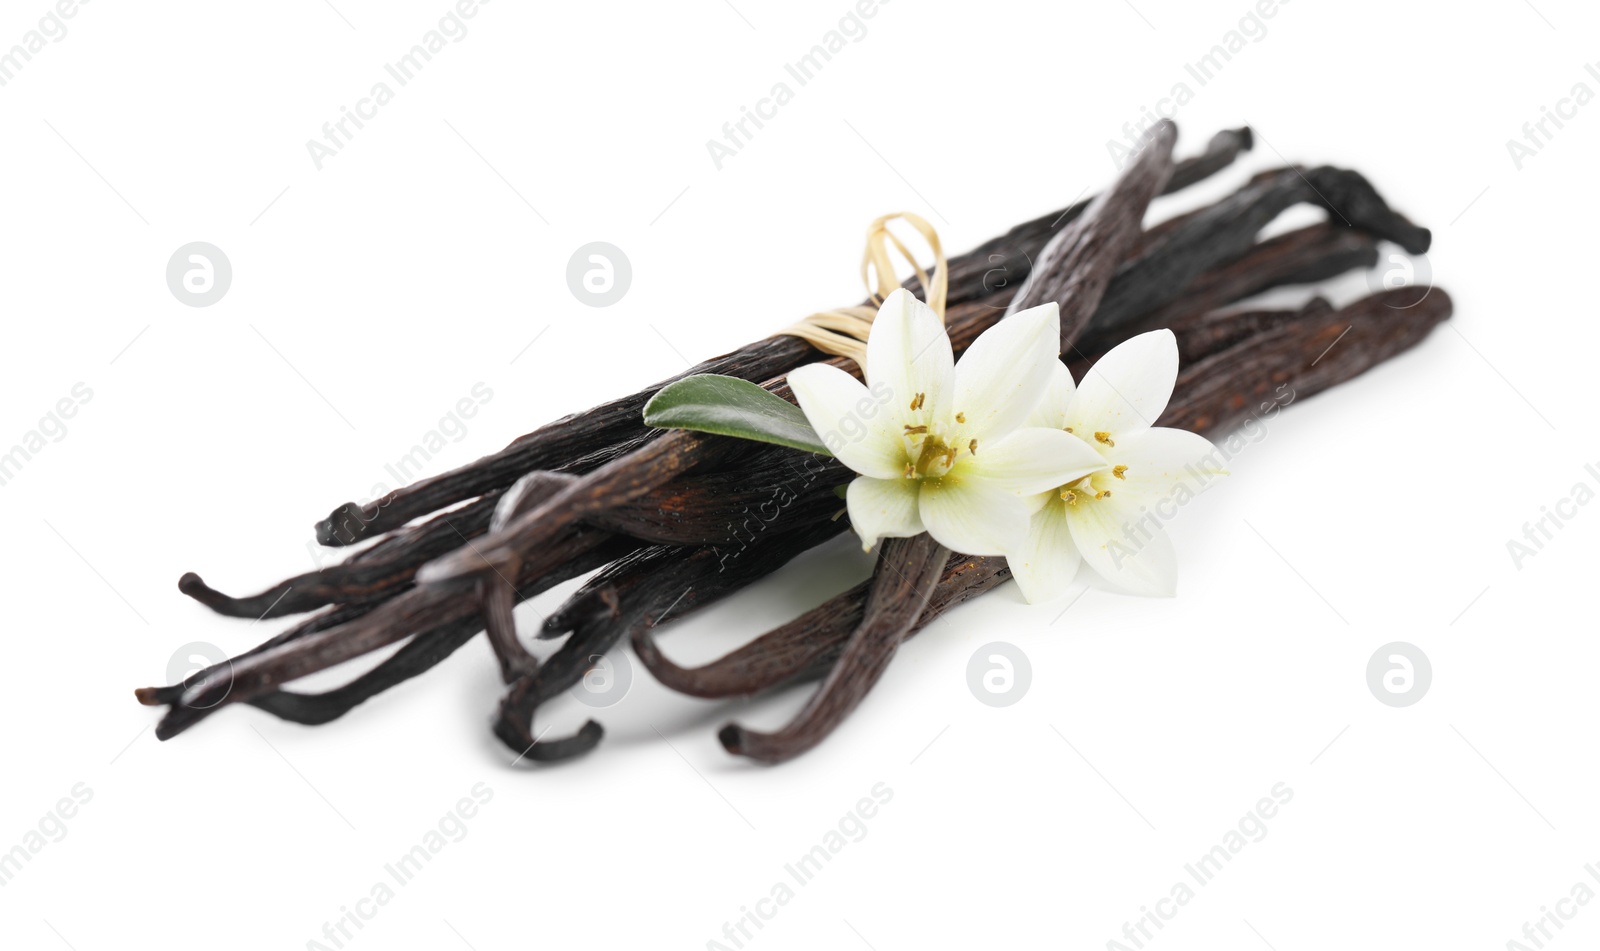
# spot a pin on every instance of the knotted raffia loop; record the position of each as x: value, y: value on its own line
x: 843, y: 331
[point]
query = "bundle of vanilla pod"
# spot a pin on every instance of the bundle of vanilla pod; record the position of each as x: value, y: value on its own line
x: 661, y: 520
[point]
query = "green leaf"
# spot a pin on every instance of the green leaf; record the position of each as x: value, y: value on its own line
x: 729, y: 406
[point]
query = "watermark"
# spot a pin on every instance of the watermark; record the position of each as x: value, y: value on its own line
x: 754, y: 521
x: 1536, y: 134
x: 400, y: 872
x: 999, y: 674
x: 606, y: 681
x: 1399, y: 271
x: 1552, y: 519
x: 51, y: 428
x: 736, y: 134
x: 1252, y: 827
x: 802, y: 871
x: 853, y: 427
x: 451, y: 428
x: 50, y: 829
x: 199, y: 274
x: 599, y: 274
x: 1252, y: 28
x: 1539, y: 932
x: 1198, y: 476
x: 1399, y: 674
x: 52, y: 28
x: 199, y: 664
x: 337, y: 133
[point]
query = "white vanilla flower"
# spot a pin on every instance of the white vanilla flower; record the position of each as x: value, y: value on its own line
x: 1113, y: 517
x: 942, y: 448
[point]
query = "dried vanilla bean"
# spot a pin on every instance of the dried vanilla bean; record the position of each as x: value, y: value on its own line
x: 1305, y: 256
x: 1302, y: 358
x: 657, y: 499
x: 1075, y: 268
x: 416, y: 610
x: 901, y: 587
x: 638, y: 592
x: 807, y: 647
x: 1174, y: 254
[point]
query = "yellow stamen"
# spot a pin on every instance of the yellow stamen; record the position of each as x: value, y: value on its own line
x: 1118, y: 471
x: 1068, y: 496
x: 1104, y: 437
x: 917, y: 402
x: 973, y: 446
x: 916, y: 430
x: 1105, y: 494
x: 961, y: 417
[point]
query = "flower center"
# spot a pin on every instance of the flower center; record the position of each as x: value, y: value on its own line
x: 1092, y: 487
x: 931, y: 453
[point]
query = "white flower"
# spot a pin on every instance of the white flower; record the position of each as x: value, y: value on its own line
x: 1113, y: 518
x: 941, y: 448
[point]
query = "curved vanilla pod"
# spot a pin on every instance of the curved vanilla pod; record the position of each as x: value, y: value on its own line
x: 808, y: 646
x: 417, y: 610
x: 1173, y: 254
x: 376, y: 574
x: 640, y: 591
x: 902, y: 584
x: 420, y: 654
x: 1077, y: 265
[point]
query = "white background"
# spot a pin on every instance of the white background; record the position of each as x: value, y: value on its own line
x: 370, y: 296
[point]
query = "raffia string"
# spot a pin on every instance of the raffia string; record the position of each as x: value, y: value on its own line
x: 843, y: 332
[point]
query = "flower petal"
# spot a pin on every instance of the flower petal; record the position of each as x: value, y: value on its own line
x: 968, y: 517
x: 1051, y: 411
x: 1164, y: 469
x: 854, y: 426
x: 908, y: 352
x: 1006, y: 370
x: 1029, y: 461
x: 1127, y: 389
x: 883, y: 508
x: 1048, y: 560
x: 1133, y: 555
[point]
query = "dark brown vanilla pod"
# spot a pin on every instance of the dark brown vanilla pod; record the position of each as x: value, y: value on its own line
x: 1172, y: 255
x: 1205, y: 334
x: 641, y: 591
x: 427, y: 647
x: 807, y: 647
x: 697, y: 497
x: 1001, y: 261
x: 1004, y: 263
x: 1302, y: 358
x: 661, y: 460
x: 419, y: 655
x: 901, y: 587
x: 1077, y: 265
x: 333, y: 617
x: 394, y: 620
x: 1307, y: 255
x: 1212, y: 333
